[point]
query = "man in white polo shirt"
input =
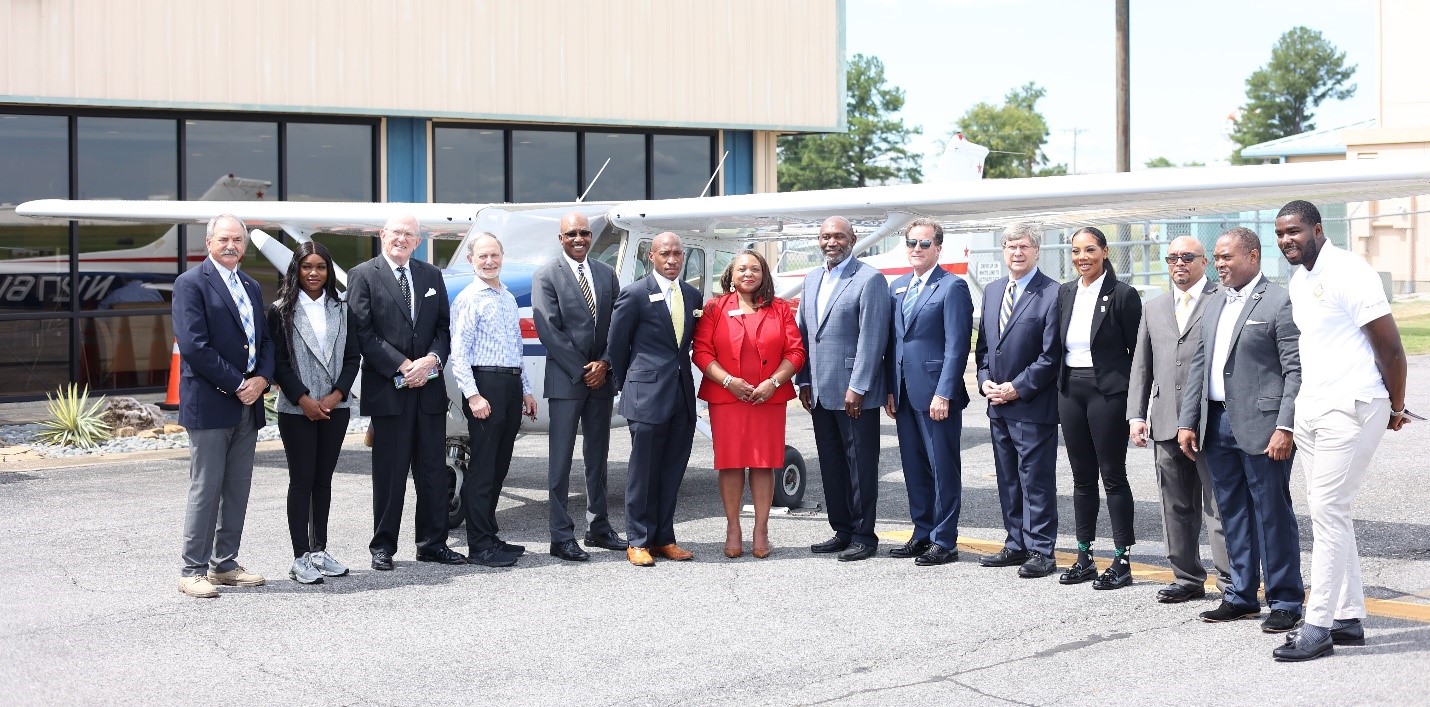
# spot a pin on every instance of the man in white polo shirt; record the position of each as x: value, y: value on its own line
x: 1352, y: 391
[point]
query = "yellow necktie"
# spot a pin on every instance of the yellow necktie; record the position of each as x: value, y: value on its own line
x: 677, y: 311
x: 1184, y: 311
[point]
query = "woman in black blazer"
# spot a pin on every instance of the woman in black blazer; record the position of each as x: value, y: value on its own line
x: 316, y: 360
x: 1099, y: 319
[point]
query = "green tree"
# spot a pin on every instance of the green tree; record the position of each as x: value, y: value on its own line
x: 1159, y: 162
x: 874, y: 150
x: 1282, y: 96
x: 1014, y: 134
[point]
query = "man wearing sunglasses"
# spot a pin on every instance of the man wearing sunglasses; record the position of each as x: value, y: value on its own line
x: 571, y: 301
x: 1166, y: 341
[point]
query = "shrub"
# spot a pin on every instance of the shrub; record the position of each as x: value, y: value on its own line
x: 75, y: 420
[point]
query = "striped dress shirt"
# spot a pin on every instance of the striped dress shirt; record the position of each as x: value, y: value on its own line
x: 486, y: 331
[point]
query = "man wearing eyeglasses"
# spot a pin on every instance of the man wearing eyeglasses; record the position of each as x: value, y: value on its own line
x: 571, y: 301
x: 1019, y: 353
x: 1166, y: 341
x: 931, y: 332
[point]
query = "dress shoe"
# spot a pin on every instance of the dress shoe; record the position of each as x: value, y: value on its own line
x: 236, y: 577
x: 936, y: 555
x: 1038, y: 565
x: 1280, y: 621
x: 382, y: 561
x: 761, y: 553
x: 671, y: 552
x: 858, y: 551
x: 1112, y: 579
x: 734, y: 551
x: 568, y: 550
x: 607, y: 540
x: 912, y: 548
x: 1176, y: 593
x: 197, y: 586
x: 443, y: 555
x: 511, y: 549
x: 493, y: 556
x: 834, y: 544
x: 1079, y: 573
x: 1228, y: 611
x: 640, y: 557
x: 1348, y: 635
x: 1296, y: 650
x: 1007, y: 557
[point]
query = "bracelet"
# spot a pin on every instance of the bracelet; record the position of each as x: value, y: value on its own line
x: 1397, y: 413
x: 728, y: 377
x: 774, y: 381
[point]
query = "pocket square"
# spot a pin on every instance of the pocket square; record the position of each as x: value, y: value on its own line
x: 430, y: 291
x: 1253, y: 321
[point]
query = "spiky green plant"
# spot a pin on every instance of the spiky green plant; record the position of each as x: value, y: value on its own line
x: 270, y: 407
x: 74, y: 419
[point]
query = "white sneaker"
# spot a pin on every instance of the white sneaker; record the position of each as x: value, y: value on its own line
x: 326, y: 564
x: 303, y: 572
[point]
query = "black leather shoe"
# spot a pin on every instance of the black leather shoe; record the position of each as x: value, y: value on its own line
x: 1349, y: 635
x: 1293, y: 651
x: 912, y: 548
x: 446, y: 556
x: 834, y: 544
x: 1176, y: 594
x: 1005, y: 558
x: 382, y: 561
x: 568, y: 550
x: 858, y: 551
x: 1228, y: 611
x: 1112, y: 579
x: 493, y: 556
x: 1037, y: 565
x: 608, y: 540
x: 1280, y: 621
x: 1077, y: 574
x: 936, y: 555
x: 511, y: 549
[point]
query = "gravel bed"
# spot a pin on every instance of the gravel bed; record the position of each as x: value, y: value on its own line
x: 28, y: 435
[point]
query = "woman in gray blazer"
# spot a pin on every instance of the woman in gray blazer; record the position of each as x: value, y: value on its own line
x: 316, y: 360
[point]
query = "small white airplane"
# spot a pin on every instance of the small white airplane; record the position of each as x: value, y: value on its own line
x: 714, y: 228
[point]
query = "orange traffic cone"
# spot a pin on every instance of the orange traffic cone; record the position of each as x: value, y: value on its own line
x: 171, y: 400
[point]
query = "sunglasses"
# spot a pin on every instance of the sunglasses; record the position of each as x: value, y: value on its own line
x: 925, y: 244
x: 572, y: 234
x: 1184, y: 257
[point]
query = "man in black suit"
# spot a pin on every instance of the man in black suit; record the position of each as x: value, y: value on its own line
x: 399, y: 309
x: 227, y: 362
x: 649, y: 349
x: 571, y: 302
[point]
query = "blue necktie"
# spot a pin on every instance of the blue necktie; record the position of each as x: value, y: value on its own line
x: 245, y: 315
x: 911, y: 296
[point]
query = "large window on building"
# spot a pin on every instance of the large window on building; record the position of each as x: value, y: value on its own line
x: 543, y: 165
x: 624, y: 177
x: 219, y: 151
x: 682, y: 165
x: 469, y: 165
x: 329, y: 162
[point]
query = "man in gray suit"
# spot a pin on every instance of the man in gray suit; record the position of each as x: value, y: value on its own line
x: 1240, y: 404
x: 571, y: 301
x: 844, y: 319
x: 1166, y: 341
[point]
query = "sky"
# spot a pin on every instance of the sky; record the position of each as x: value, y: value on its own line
x: 1189, y: 65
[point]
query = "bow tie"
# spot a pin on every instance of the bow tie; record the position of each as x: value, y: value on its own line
x: 1234, y: 296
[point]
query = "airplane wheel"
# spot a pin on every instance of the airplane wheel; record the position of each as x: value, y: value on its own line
x: 790, y: 480
x: 458, y: 455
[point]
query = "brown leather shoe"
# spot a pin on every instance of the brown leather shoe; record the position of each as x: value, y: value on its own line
x: 640, y: 557
x: 760, y: 553
x: 671, y: 552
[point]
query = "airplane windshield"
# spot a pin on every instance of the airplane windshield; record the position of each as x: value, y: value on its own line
x: 529, y: 236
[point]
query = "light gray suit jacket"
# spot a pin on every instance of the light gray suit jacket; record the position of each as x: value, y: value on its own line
x: 300, y: 367
x: 572, y: 337
x: 1161, y: 361
x: 846, y: 345
x: 1263, y: 368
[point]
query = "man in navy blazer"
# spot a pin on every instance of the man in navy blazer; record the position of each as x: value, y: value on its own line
x: 226, y: 363
x: 844, y: 319
x: 928, y: 352
x: 1019, y: 353
x: 652, y: 326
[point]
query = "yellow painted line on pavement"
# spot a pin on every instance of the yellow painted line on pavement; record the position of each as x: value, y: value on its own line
x: 1388, y: 608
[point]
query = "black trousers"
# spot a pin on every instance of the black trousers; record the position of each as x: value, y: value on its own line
x: 412, y: 440
x: 660, y: 452
x: 1095, y: 434
x: 849, y: 467
x: 312, y: 448
x: 492, y: 441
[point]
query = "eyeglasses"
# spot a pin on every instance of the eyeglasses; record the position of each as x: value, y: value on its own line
x: 1020, y: 247
x: 925, y: 244
x: 584, y: 233
x: 401, y: 233
x: 1172, y: 258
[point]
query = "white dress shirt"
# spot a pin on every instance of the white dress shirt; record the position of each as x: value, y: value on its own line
x: 1225, y: 330
x: 596, y: 301
x: 317, y: 312
x: 1079, y: 341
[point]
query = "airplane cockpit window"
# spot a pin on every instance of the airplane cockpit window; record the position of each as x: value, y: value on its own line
x: 695, y: 268
x: 608, y: 246
x: 719, y: 260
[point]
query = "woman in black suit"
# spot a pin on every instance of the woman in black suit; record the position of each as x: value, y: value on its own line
x: 316, y: 360
x: 1099, y: 317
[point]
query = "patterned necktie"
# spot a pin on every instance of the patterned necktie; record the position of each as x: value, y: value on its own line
x: 405, y: 287
x: 911, y: 296
x: 1007, y: 311
x: 586, y: 288
x: 1184, y: 310
x: 677, y: 311
x: 245, y: 316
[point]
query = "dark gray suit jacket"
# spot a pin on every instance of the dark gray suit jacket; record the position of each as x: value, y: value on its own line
x: 846, y: 345
x: 1161, y: 361
x: 1263, y: 368
x: 572, y: 337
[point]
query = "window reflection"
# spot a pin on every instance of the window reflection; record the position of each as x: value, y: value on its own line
x: 128, y: 158
x: 468, y: 165
x: 215, y: 150
x: 329, y: 162
x: 624, y: 176
x: 125, y: 351
x: 682, y: 165
x: 34, y: 255
x: 543, y: 165
x: 36, y: 150
x: 34, y: 355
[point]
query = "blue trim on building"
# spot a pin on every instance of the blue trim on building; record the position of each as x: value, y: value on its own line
x: 740, y: 165
x: 407, y: 165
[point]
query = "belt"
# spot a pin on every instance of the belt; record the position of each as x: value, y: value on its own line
x: 1217, y: 404
x: 512, y: 370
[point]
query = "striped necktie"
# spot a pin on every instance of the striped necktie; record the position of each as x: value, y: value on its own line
x: 406, y: 288
x: 245, y: 316
x: 1007, y: 311
x: 585, y: 288
x: 911, y: 297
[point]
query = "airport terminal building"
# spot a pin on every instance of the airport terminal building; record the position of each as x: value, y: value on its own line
x: 482, y: 101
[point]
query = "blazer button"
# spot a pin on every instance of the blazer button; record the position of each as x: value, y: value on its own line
x: 762, y: 363
x: 245, y: 346
x: 1179, y: 387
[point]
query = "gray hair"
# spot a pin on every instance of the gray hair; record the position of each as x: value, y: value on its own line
x: 1023, y: 231
x: 485, y: 235
x: 215, y: 221
x: 935, y: 225
x: 1244, y: 237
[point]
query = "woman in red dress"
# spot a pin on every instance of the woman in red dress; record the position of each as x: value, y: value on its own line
x: 749, y: 348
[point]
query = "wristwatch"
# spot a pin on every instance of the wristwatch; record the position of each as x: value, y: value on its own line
x: 774, y: 381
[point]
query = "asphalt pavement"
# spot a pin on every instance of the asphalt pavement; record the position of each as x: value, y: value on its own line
x: 90, y: 612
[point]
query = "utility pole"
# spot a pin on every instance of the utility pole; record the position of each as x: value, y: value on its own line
x: 1075, y: 132
x: 1124, y: 112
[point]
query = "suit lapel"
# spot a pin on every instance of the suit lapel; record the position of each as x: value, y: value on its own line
x: 389, y: 282
x: 1104, y: 297
x: 839, y: 287
x: 338, y: 334
x: 304, y: 329
x: 1194, y: 319
x: 1251, y: 301
x: 661, y: 306
x: 734, y: 325
x: 1035, y: 286
x: 216, y: 281
x: 930, y: 286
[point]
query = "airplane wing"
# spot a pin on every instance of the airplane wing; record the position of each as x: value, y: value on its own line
x: 354, y: 218
x: 1051, y: 202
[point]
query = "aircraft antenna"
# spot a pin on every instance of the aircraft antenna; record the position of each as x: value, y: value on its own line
x: 593, y: 180
x: 718, y: 167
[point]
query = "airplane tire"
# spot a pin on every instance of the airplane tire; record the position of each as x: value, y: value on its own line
x: 790, y: 480
x: 458, y: 455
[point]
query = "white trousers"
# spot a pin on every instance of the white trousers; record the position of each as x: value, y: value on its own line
x: 1335, y: 446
